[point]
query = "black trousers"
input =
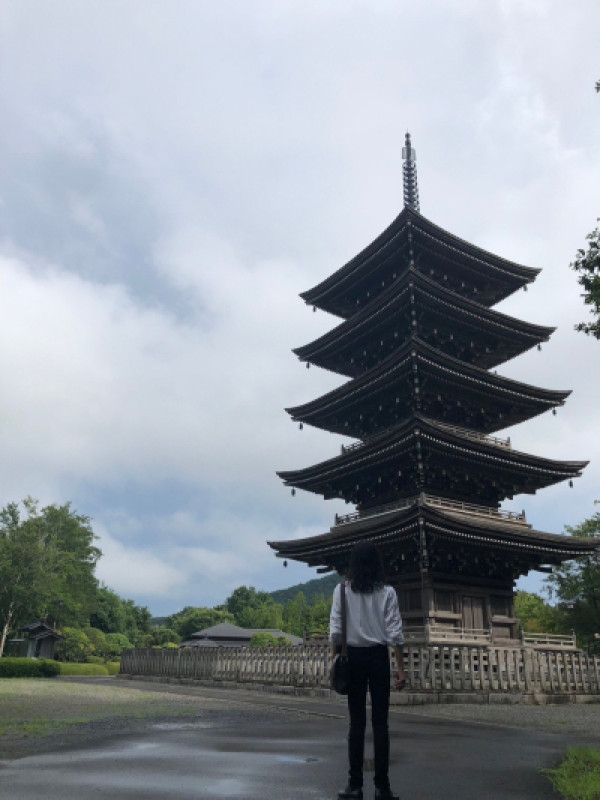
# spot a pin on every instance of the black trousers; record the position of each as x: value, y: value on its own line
x: 369, y: 668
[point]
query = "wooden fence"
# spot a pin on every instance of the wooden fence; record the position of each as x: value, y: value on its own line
x: 432, y: 668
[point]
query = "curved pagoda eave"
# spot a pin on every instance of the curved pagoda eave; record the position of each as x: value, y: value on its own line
x: 386, y: 257
x: 397, y: 534
x: 418, y: 306
x: 422, y: 455
x: 472, y: 397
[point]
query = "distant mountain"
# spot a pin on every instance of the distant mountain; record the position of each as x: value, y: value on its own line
x: 311, y: 589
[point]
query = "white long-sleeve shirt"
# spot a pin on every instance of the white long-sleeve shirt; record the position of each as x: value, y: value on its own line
x: 371, y: 619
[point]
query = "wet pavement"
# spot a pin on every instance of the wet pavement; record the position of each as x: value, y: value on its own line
x: 287, y: 749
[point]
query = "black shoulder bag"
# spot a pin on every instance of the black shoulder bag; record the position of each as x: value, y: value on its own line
x: 339, y: 669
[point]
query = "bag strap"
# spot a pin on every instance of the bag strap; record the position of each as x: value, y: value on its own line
x: 344, y: 643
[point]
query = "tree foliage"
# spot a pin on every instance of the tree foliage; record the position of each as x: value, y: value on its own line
x: 253, y: 609
x: 193, y: 619
x: 47, y: 561
x: 587, y: 265
x: 75, y: 646
x: 268, y: 640
x: 113, y: 614
x: 576, y: 587
x: 313, y: 589
x: 538, y: 616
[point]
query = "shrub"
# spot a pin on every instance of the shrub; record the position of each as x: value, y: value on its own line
x: 578, y: 776
x: 98, y: 640
x: 116, y: 643
x: 113, y: 667
x: 87, y: 670
x: 28, y: 668
x: 49, y: 668
x: 74, y: 647
x: 94, y: 660
x: 264, y: 640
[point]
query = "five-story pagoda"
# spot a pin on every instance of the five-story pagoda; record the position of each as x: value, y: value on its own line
x: 419, y: 341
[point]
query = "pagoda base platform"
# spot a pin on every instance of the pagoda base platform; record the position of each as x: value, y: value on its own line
x: 446, y: 635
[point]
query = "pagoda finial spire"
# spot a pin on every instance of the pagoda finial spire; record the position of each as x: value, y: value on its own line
x: 409, y: 171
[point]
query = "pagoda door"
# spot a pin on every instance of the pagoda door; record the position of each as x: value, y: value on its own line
x: 473, y: 616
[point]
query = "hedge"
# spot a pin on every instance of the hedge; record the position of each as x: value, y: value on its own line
x: 82, y: 669
x: 28, y: 668
x: 113, y: 667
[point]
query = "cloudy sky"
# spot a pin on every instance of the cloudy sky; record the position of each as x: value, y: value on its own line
x: 174, y: 174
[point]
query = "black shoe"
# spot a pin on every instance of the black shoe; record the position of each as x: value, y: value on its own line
x: 385, y: 794
x: 350, y: 793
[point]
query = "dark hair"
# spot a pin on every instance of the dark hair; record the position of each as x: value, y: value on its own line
x: 365, y: 571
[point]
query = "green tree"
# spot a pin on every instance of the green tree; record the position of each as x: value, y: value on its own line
x: 190, y: 620
x: 74, y: 647
x: 108, y: 613
x: 47, y: 561
x: 163, y: 636
x: 576, y: 586
x: 252, y: 609
x: 98, y: 640
x: 116, y: 643
x: 268, y: 640
x: 587, y: 265
x: 538, y: 616
x: 113, y: 614
x: 297, y: 616
x: 320, y: 610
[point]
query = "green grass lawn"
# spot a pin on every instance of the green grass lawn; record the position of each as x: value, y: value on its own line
x: 578, y: 776
x: 32, y: 706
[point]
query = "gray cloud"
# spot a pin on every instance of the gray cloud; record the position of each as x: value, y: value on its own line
x: 175, y: 175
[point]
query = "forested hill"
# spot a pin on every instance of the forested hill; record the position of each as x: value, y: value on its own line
x: 311, y: 589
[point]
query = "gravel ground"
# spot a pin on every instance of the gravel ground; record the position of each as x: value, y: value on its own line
x: 42, y: 715
x: 576, y: 719
x: 48, y: 715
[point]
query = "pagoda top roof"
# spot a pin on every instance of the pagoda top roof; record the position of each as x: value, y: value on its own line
x: 396, y: 529
x: 337, y: 349
x: 333, y: 294
x: 334, y: 411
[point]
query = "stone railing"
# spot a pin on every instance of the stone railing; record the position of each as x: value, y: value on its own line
x: 429, y: 668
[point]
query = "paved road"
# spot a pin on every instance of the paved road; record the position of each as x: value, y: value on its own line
x: 286, y: 749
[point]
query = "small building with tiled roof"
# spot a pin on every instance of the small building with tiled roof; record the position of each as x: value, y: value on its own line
x: 227, y: 635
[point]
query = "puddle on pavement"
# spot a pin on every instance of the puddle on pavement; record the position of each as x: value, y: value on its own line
x: 296, y: 759
x: 180, y: 726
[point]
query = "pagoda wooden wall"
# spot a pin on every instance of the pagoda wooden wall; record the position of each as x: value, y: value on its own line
x: 456, y: 603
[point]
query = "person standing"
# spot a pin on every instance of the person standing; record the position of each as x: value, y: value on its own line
x: 373, y: 624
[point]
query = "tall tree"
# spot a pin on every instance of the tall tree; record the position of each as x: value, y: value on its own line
x: 587, y: 265
x: 113, y: 614
x: 47, y: 561
x: 576, y: 585
x: 252, y: 609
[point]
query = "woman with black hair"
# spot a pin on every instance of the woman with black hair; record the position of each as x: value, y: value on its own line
x: 373, y: 624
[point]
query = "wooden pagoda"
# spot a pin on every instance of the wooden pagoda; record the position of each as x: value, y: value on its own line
x: 419, y: 340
